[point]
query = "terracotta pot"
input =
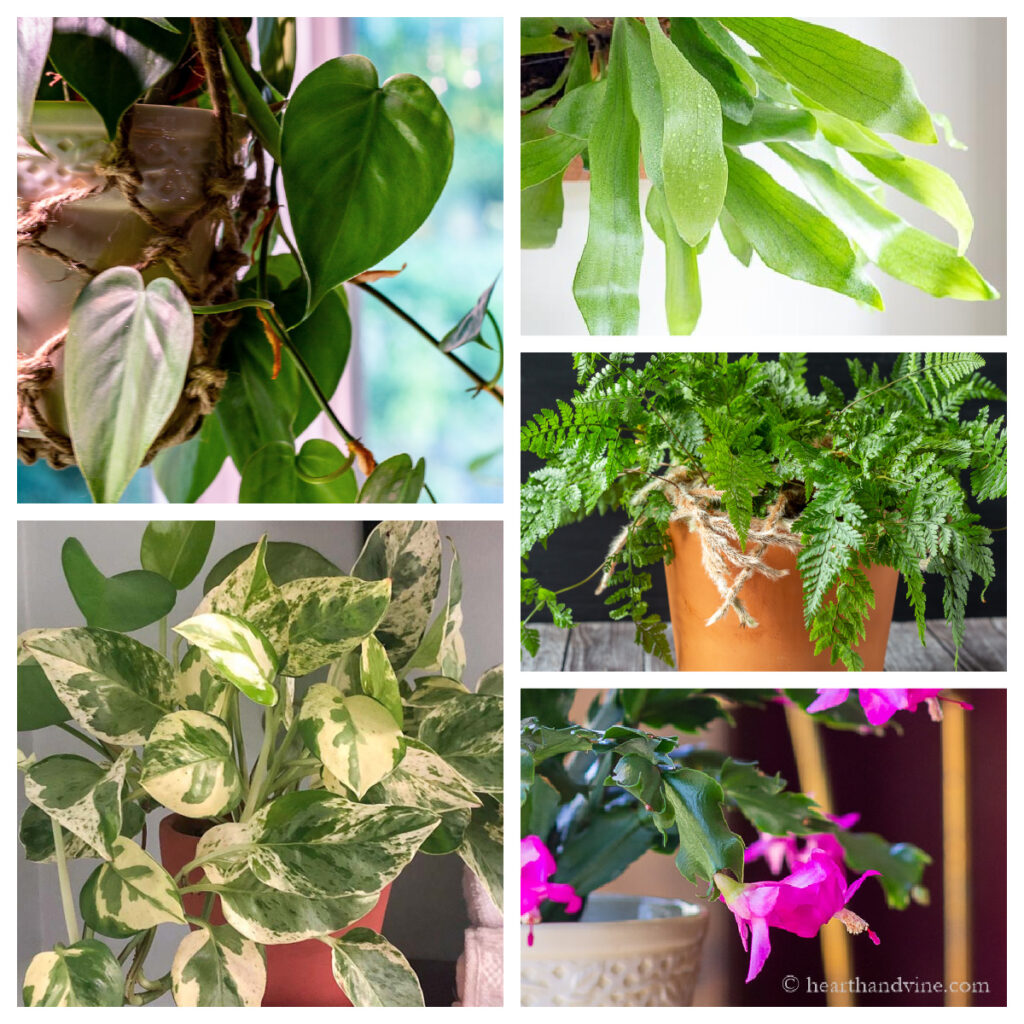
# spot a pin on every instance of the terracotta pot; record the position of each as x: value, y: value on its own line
x: 172, y: 148
x: 780, y: 642
x: 298, y: 973
x: 624, y: 951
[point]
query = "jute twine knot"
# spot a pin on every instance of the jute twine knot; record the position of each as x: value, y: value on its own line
x: 229, y: 197
x: 699, y: 507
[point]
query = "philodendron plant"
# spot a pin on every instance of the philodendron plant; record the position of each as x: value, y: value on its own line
x: 691, y: 101
x: 596, y: 796
x: 880, y: 474
x: 358, y: 164
x: 388, y: 755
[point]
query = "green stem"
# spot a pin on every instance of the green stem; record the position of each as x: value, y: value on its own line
x: 259, y: 773
x: 66, y: 899
x: 430, y: 493
x: 482, y: 385
x: 208, y: 887
x: 102, y: 751
x: 235, y: 713
x: 230, y: 307
x: 163, y: 636
x: 261, y: 272
x: 138, y: 959
x: 277, y: 762
x: 129, y: 946
x: 572, y: 586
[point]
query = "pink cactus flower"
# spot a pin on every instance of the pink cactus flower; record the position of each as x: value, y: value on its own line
x: 779, y: 850
x: 536, y: 867
x: 880, y: 705
x: 800, y: 903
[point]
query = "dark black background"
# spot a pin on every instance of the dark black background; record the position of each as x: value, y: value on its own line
x: 576, y: 550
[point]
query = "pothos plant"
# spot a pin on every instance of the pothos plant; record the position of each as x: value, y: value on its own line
x: 596, y: 796
x: 691, y: 101
x: 389, y: 755
x: 877, y: 476
x: 358, y: 166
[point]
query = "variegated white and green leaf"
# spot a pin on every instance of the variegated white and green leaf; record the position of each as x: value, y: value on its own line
x: 199, y: 686
x: 83, y: 974
x: 251, y: 594
x: 80, y: 796
x: 36, y: 834
x: 442, y: 649
x: 189, y: 767
x: 422, y: 779
x: 466, y: 730
x: 448, y: 836
x: 114, y: 687
x: 238, y: 650
x: 273, y: 917
x: 330, y: 616
x: 287, y: 685
x: 492, y: 682
x: 343, y: 674
x: 315, y: 844
x: 216, y: 966
x: 372, y: 972
x: 130, y: 894
x: 410, y: 555
x: 482, y: 848
x: 377, y: 677
x: 355, y: 737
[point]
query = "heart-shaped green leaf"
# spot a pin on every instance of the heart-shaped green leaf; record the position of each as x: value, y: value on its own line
x: 125, y: 357
x: 125, y: 602
x: 269, y: 475
x: 240, y: 652
x: 38, y: 705
x: 363, y: 165
x: 185, y: 471
x: 113, y: 61
x: 176, y: 549
x: 284, y: 562
x: 394, y: 481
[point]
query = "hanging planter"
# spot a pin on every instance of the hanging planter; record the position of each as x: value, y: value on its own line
x: 161, y: 199
x: 156, y: 321
x: 786, y: 515
x: 624, y: 951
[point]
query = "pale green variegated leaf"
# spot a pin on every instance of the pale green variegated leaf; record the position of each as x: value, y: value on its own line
x: 355, y: 737
x: 315, y: 844
x: 249, y: 592
x: 38, y: 705
x: 217, y: 966
x: 125, y: 358
x: 239, y: 651
x: 377, y: 677
x: 409, y: 554
x: 36, y: 834
x: 83, y: 974
x: 372, y: 972
x: 448, y: 836
x: 442, y: 649
x: 198, y: 685
x: 693, y: 162
x: 491, y: 682
x: 466, y: 730
x: 791, y: 236
x: 114, y: 687
x: 189, y: 767
x: 889, y: 242
x: 430, y: 691
x: 343, y: 674
x: 272, y: 917
x: 929, y: 186
x: 331, y: 616
x: 421, y: 779
x: 80, y: 796
x: 482, y: 848
x: 130, y: 894
x: 841, y: 73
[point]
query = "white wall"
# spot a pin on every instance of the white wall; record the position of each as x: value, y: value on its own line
x: 426, y: 915
x: 959, y: 66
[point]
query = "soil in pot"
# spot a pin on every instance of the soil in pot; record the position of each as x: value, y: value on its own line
x: 298, y: 973
x: 624, y: 951
x: 780, y: 642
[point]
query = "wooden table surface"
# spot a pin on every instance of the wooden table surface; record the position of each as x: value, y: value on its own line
x: 609, y: 647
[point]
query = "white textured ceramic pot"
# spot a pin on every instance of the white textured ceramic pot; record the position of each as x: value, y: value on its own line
x: 172, y: 148
x: 625, y: 951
